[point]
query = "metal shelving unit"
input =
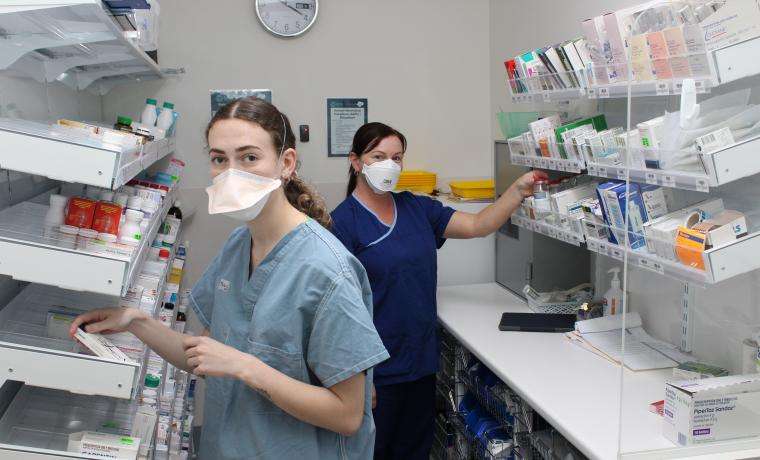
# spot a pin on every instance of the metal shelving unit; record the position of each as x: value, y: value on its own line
x: 56, y: 155
x: 76, y: 42
x: 720, y: 167
x: 28, y: 255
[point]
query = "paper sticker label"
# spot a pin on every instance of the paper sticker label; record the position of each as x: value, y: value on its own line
x: 714, y: 140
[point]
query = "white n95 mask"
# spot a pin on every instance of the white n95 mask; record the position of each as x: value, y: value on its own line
x: 240, y: 195
x: 382, y: 176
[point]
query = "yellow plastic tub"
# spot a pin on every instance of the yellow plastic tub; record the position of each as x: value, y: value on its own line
x: 417, y: 181
x: 473, y: 189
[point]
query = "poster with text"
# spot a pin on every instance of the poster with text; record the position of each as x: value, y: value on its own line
x: 220, y: 97
x: 344, y: 118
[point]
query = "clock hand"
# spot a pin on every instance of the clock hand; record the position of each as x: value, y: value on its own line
x: 284, y: 2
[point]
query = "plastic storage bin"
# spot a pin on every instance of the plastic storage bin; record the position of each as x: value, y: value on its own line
x: 476, y: 189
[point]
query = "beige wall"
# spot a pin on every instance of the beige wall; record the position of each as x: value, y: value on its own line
x: 423, y: 65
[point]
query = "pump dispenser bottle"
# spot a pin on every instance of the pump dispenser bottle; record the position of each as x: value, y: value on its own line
x: 613, y: 298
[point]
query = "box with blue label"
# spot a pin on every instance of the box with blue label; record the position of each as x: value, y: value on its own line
x: 614, y: 197
x: 713, y: 409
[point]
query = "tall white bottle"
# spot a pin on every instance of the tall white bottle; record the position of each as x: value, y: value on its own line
x: 166, y: 117
x: 150, y: 113
x: 613, y: 298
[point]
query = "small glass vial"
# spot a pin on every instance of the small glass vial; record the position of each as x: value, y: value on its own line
x: 541, y: 201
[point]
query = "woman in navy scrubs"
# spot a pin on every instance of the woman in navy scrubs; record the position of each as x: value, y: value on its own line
x: 395, y: 236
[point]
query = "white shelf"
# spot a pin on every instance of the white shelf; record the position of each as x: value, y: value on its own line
x: 75, y: 41
x: 726, y: 65
x: 74, y: 159
x: 720, y: 263
x: 37, y: 422
x: 554, y: 164
x: 28, y: 256
x: 721, y: 167
x: 570, y: 236
x: 667, y: 178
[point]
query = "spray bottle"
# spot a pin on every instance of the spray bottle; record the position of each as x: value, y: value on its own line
x: 613, y: 298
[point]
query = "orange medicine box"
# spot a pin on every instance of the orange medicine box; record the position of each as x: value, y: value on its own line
x: 690, y: 247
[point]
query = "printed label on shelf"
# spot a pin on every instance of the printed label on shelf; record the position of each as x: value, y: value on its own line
x: 650, y: 178
x: 702, y: 185
x: 651, y: 265
x: 602, y: 171
x: 544, y: 163
x: 552, y: 232
x: 662, y: 88
x: 602, y: 247
x: 591, y: 93
x: 593, y: 246
x: 552, y: 164
x: 547, y: 97
x: 592, y: 169
x: 604, y: 92
x: 621, y: 173
x: 616, y: 253
x: 576, y: 166
x: 700, y: 86
x: 668, y: 180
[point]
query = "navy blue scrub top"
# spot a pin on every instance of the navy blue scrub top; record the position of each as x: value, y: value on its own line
x: 402, y: 266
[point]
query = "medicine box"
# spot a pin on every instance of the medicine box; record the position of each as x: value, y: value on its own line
x: 654, y: 201
x: 713, y: 409
x: 734, y: 22
x: 615, y: 197
x: 661, y: 232
x: 102, y: 445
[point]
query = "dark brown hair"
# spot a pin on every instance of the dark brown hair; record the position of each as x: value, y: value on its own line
x: 366, y: 138
x: 301, y: 195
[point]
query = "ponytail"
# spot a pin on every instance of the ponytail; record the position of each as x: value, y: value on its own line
x: 351, y: 181
x: 299, y: 194
x: 303, y: 197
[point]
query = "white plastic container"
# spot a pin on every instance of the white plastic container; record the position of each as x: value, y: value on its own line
x: 85, y: 237
x: 135, y: 203
x: 149, y: 115
x: 68, y: 236
x: 131, y: 227
x: 55, y: 216
x: 166, y: 117
x: 106, y: 195
x: 149, y: 208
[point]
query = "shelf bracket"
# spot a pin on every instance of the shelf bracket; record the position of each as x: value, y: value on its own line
x: 687, y: 317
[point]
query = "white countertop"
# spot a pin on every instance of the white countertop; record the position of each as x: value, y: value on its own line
x: 576, y: 391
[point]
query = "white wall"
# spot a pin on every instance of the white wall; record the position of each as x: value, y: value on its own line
x: 724, y: 314
x: 423, y: 65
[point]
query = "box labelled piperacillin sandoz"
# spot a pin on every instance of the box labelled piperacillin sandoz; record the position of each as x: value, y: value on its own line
x: 713, y: 409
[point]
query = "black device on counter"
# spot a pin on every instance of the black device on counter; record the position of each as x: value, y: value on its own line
x: 537, y: 322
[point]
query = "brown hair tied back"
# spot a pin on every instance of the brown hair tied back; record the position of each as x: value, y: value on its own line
x: 301, y: 195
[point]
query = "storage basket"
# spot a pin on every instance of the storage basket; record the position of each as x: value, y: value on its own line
x: 474, y: 189
x: 569, y: 301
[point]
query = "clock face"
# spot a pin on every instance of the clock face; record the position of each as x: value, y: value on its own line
x: 287, y: 18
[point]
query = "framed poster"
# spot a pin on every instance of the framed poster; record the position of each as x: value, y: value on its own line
x: 220, y: 97
x: 344, y: 118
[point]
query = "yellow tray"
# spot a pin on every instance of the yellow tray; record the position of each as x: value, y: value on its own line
x: 417, y: 188
x: 473, y: 188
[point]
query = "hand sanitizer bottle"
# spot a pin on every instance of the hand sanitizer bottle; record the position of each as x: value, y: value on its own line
x: 613, y: 298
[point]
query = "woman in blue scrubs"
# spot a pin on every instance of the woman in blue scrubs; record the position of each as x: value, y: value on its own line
x: 291, y: 346
x: 395, y: 236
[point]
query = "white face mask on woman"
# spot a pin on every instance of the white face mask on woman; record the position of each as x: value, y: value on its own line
x: 382, y: 176
x: 239, y: 194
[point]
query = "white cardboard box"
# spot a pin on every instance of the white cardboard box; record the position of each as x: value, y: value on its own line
x: 734, y: 22
x: 102, y: 445
x: 714, y: 409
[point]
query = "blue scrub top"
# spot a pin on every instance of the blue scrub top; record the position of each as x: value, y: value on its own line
x: 401, y: 263
x: 305, y: 311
